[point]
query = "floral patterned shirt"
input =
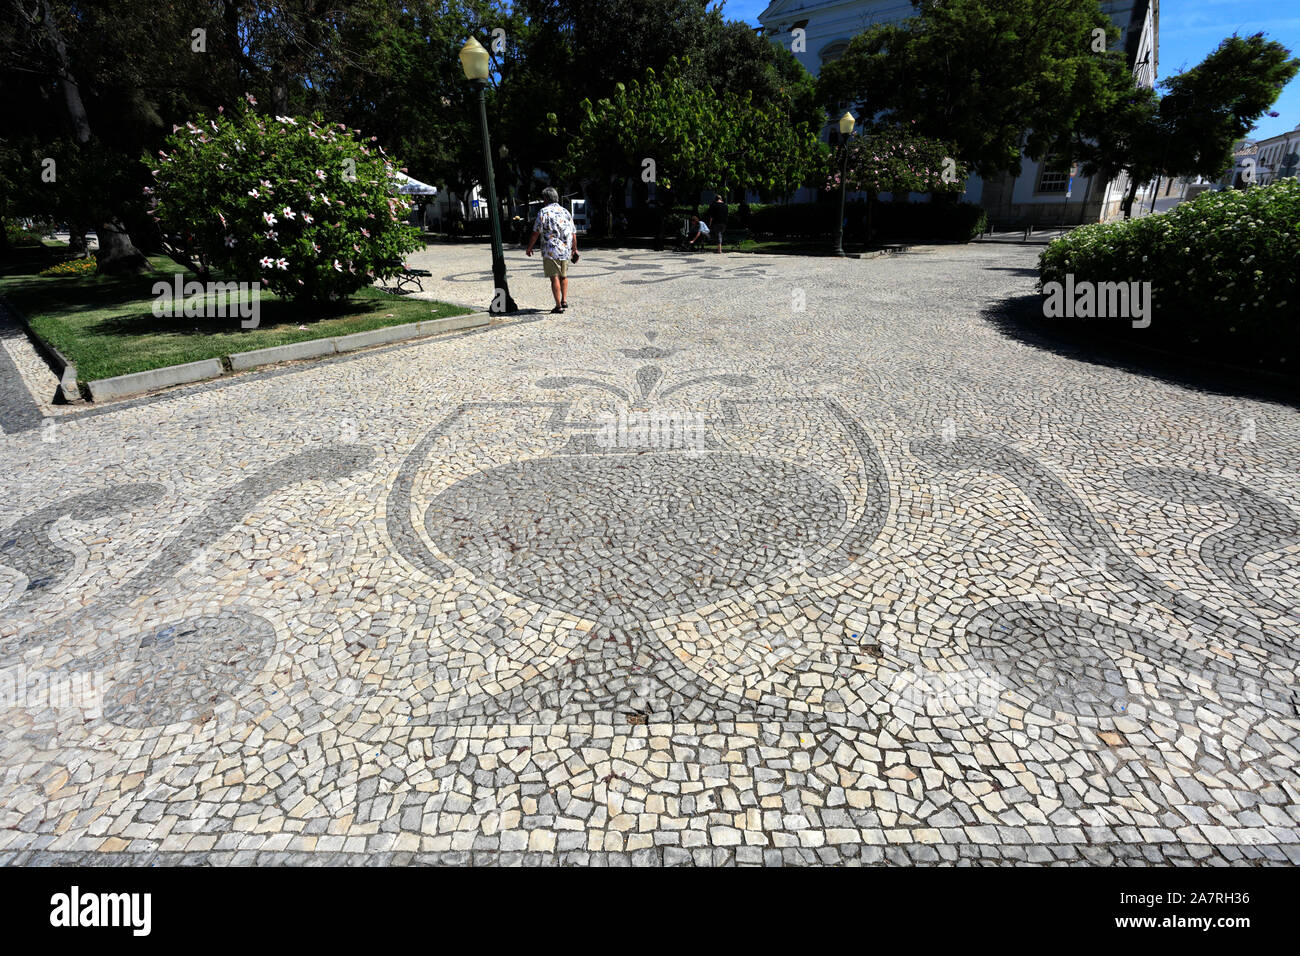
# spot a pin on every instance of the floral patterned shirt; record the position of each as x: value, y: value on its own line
x: 556, y: 227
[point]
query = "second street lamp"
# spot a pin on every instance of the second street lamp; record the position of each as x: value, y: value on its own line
x: 474, y: 61
x: 846, y: 130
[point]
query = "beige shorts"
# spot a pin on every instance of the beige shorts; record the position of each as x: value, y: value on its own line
x: 555, y: 267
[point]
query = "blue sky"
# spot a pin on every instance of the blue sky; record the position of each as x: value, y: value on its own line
x: 1189, y: 29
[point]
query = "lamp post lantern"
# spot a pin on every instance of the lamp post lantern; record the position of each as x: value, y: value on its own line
x: 474, y: 61
x: 846, y: 130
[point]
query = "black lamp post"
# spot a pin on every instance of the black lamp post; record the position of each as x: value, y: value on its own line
x: 474, y: 61
x: 846, y: 129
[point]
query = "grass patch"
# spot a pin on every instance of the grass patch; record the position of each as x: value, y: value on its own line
x: 795, y: 247
x: 106, y: 327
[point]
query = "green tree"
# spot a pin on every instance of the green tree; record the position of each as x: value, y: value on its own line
x: 990, y: 76
x: 687, y: 139
x: 88, y: 87
x: 1211, y: 106
x: 1191, y: 130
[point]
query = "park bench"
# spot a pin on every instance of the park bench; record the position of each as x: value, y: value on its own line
x: 406, y: 276
x: 734, y: 236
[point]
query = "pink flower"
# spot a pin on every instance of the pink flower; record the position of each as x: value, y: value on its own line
x: 272, y: 235
x: 282, y: 264
x: 288, y: 213
x: 249, y: 97
x: 320, y: 174
x: 306, y: 217
x: 366, y: 233
x: 253, y: 193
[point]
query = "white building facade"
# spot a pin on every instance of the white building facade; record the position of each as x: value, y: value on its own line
x: 818, y: 32
x: 1278, y: 157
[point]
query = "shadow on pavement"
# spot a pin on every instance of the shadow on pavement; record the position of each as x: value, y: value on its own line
x: 1021, y: 318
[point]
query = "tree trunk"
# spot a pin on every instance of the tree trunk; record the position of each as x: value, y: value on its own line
x: 77, y: 240
x: 117, y: 253
x: 279, y: 92
x: 1127, y: 205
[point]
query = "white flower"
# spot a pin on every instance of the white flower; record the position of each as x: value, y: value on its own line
x: 272, y: 235
x: 230, y: 242
x: 266, y: 262
x: 269, y: 219
x: 306, y: 217
x: 320, y: 174
x: 337, y: 267
x: 253, y: 193
x: 288, y: 213
x: 282, y: 263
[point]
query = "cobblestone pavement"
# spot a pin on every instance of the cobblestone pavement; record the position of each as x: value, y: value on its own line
x: 741, y: 559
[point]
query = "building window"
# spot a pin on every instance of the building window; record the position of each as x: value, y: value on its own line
x: 833, y: 52
x: 1051, y: 180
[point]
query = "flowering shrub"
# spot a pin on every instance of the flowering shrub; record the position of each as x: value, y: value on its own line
x: 303, y: 206
x: 895, y: 160
x: 1224, y: 269
x: 72, y: 267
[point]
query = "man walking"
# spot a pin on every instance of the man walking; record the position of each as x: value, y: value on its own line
x: 559, y: 243
x: 718, y: 220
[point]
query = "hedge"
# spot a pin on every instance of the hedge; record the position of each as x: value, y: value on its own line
x: 816, y: 220
x: 1224, y: 270
x: 960, y: 222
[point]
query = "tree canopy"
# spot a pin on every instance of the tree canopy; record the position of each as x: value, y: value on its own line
x: 1191, y: 130
x: 990, y: 76
x: 688, y: 139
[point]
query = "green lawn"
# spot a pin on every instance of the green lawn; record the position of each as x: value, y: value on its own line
x: 795, y: 247
x: 106, y: 327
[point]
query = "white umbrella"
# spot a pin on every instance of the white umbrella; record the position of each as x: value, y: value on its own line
x: 413, y: 187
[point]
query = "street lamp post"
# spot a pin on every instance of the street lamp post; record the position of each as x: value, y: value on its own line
x: 846, y: 129
x: 474, y: 61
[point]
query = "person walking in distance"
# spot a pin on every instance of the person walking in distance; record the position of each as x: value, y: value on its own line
x: 559, y: 244
x: 718, y: 220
